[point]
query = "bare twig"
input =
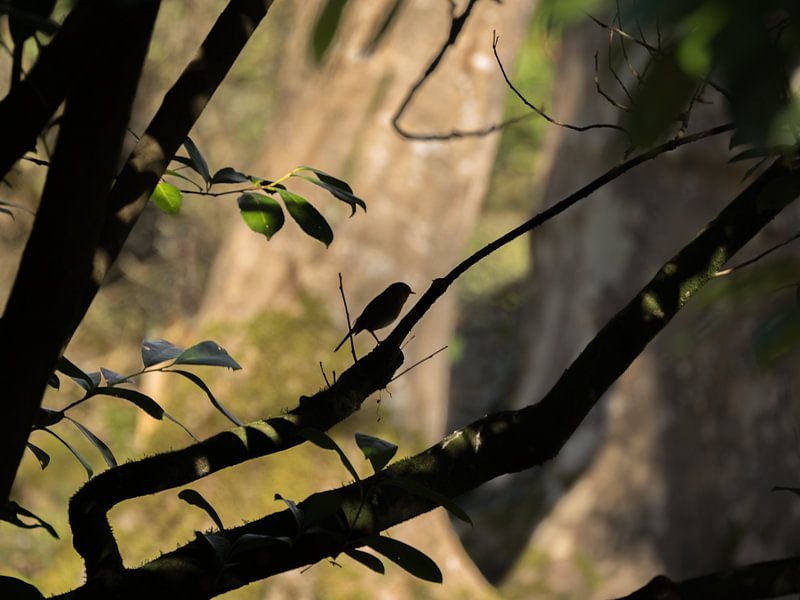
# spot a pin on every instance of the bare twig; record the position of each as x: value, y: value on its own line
x: 541, y: 112
x: 416, y: 364
x: 755, y: 259
x: 349, y: 324
x: 602, y: 92
x: 324, y: 376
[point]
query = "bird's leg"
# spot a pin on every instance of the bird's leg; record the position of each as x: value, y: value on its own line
x: 373, y: 335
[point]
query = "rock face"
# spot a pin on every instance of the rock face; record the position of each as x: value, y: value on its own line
x: 673, y: 474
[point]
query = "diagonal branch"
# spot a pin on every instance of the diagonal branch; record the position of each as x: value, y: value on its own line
x: 500, y: 443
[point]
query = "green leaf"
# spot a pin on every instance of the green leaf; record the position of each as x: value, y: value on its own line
x: 261, y: 213
x: 322, y: 505
x: 198, y: 162
x: 194, y: 498
x: 42, y: 456
x: 308, y: 217
x: 207, y: 353
x: 323, y: 440
x: 229, y: 175
x: 69, y: 369
x: 108, y: 456
x: 296, y: 511
x: 87, y: 467
x: 11, y: 514
x: 11, y: 587
x: 201, y: 384
x: 379, y: 452
x: 112, y: 377
x: 407, y: 557
x: 146, y: 403
x: 167, y: 197
x: 368, y: 560
x: 423, y: 491
x: 158, y: 351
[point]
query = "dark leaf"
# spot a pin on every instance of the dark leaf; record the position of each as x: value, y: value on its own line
x: 108, y: 456
x: 337, y: 187
x: 194, y: 498
x: 323, y: 440
x: 321, y: 506
x: 762, y: 152
x: 350, y: 199
x: 46, y: 417
x: 407, y: 557
x: 296, y: 511
x: 112, y: 377
x: 167, y: 197
x: 87, y: 467
x: 181, y: 425
x: 229, y: 175
x: 261, y: 213
x: 208, y: 353
x: 42, y: 456
x: 368, y: 560
x: 146, y: 403
x: 201, y: 384
x: 158, y: 351
x: 219, y: 544
x: 198, y: 163
x: 53, y: 381
x: 254, y: 541
x: 76, y: 374
x: 422, y: 491
x: 26, y: 17
x: 379, y: 452
x: 12, y: 511
x: 308, y: 217
x: 11, y: 587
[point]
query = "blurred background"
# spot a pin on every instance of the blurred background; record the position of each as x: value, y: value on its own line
x: 671, y: 473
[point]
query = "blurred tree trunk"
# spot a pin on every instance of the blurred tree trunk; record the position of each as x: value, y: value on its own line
x: 673, y: 473
x: 423, y: 197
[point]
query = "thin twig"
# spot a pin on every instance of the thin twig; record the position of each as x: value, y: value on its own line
x: 419, y: 362
x: 324, y: 376
x: 349, y: 325
x: 541, y: 112
x: 602, y: 92
x: 766, y: 252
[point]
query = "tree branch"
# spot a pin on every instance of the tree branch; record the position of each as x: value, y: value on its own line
x: 501, y: 443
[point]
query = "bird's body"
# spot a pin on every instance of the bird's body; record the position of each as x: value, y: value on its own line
x: 381, y: 311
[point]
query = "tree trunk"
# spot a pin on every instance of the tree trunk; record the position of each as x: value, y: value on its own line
x: 673, y: 473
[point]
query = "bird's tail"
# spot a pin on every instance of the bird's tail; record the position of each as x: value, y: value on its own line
x: 344, y: 339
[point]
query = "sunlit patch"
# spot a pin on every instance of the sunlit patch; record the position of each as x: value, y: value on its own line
x: 201, y: 466
x: 451, y: 438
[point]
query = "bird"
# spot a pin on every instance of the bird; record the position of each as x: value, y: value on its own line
x: 381, y: 311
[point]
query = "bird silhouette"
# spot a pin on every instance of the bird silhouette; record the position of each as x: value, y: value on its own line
x: 381, y: 311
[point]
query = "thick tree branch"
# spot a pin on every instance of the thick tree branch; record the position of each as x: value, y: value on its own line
x: 497, y: 444
x: 59, y: 257
x: 769, y: 579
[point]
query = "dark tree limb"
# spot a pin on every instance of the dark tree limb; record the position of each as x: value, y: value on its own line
x: 769, y: 579
x: 59, y: 259
x: 500, y: 443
